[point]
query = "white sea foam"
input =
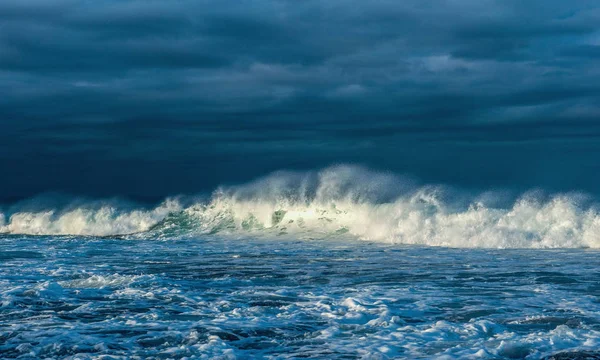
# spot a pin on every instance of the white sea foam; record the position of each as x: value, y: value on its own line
x: 86, y: 220
x: 343, y: 200
x: 111, y: 299
x: 101, y: 281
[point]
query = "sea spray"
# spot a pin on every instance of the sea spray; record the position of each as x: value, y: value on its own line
x: 344, y: 200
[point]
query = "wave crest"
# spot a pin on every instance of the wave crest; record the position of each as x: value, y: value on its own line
x: 340, y: 200
x: 91, y: 219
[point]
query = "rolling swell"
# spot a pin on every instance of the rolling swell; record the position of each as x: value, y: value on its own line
x: 338, y: 201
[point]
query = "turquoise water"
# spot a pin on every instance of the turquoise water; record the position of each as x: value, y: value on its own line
x: 241, y: 297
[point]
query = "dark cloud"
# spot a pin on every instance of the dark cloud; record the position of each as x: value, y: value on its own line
x: 146, y: 98
x: 584, y: 51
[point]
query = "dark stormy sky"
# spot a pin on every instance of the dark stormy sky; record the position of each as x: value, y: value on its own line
x: 148, y: 98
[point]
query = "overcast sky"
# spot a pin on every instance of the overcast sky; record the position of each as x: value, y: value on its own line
x: 148, y: 98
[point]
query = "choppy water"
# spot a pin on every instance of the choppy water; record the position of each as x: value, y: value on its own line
x: 243, y: 297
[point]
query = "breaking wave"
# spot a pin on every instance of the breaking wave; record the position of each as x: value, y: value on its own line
x: 334, y: 202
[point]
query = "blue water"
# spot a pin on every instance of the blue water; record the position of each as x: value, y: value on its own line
x: 243, y: 297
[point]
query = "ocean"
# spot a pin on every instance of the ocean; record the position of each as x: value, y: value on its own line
x: 341, y: 263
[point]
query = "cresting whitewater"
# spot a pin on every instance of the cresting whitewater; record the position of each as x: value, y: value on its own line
x: 340, y: 263
x: 339, y: 200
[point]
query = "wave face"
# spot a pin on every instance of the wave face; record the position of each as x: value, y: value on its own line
x: 338, y: 201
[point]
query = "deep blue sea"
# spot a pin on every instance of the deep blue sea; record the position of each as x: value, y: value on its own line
x: 223, y: 298
x: 340, y: 264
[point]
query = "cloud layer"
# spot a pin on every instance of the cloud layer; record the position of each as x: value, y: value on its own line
x: 145, y: 98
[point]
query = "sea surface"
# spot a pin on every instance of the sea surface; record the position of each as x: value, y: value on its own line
x: 341, y: 263
x: 213, y: 297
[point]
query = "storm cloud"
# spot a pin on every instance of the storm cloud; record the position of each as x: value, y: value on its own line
x: 149, y: 98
